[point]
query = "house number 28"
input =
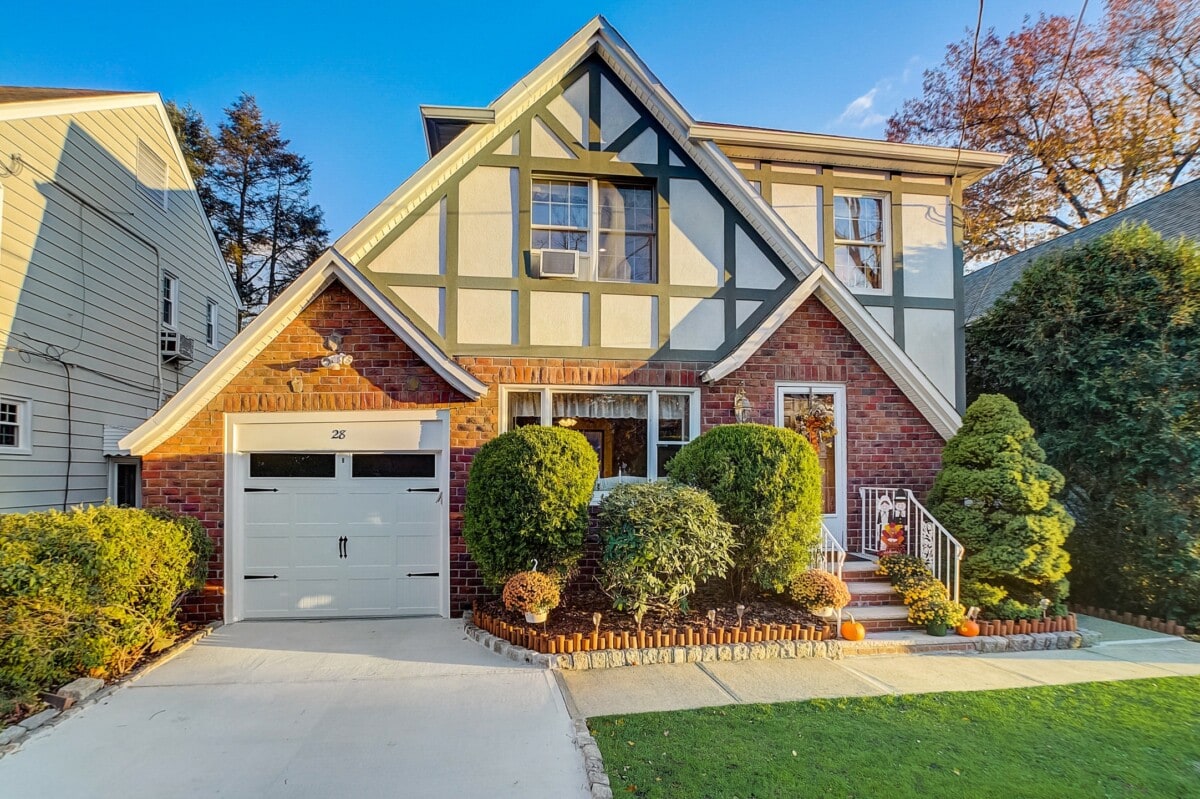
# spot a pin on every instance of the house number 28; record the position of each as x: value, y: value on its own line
x: 337, y: 434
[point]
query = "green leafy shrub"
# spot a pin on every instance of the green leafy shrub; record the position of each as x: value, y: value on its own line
x: 527, y: 499
x: 89, y: 591
x: 815, y: 589
x: 767, y: 482
x: 996, y: 495
x: 660, y: 540
x: 1099, y: 345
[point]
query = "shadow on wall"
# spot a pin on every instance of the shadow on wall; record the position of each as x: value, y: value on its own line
x: 83, y: 343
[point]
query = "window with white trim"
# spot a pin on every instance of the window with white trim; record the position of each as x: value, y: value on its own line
x: 170, y: 300
x: 212, y: 314
x: 619, y: 216
x: 860, y: 236
x: 635, y: 432
x: 125, y: 482
x: 15, y: 424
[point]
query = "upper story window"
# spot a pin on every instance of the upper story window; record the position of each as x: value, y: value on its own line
x: 611, y: 224
x: 860, y: 236
x: 170, y: 300
x: 212, y: 313
x: 14, y: 426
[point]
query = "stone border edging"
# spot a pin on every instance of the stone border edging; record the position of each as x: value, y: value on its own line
x: 832, y: 650
x: 12, y: 738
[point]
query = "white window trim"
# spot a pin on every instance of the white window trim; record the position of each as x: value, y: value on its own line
x: 24, y: 426
x: 173, y: 324
x: 593, y: 231
x: 212, y: 318
x: 650, y: 392
x: 885, y: 288
x: 838, y: 390
x: 113, y: 462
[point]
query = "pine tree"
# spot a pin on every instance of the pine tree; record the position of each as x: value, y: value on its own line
x: 996, y: 495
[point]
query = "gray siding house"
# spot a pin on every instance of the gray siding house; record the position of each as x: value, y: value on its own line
x: 113, y: 293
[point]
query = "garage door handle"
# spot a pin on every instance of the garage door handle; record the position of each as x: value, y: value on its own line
x: 422, y: 490
x: 424, y: 574
x: 260, y: 490
x: 260, y: 577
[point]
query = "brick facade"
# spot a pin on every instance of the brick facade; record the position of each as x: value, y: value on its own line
x: 889, y: 442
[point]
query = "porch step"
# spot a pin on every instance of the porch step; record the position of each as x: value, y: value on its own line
x: 872, y: 593
x: 862, y: 571
x: 881, y: 618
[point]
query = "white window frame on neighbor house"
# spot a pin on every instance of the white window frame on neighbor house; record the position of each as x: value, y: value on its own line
x: 651, y: 393
x: 884, y: 245
x: 114, y: 464
x: 169, y: 301
x: 23, y: 424
x: 590, y: 258
x: 212, y: 315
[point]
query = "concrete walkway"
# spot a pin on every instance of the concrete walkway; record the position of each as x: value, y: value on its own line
x: 392, y: 707
x: 1131, y: 654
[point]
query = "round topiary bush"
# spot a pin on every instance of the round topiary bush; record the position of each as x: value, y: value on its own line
x: 527, y: 499
x: 767, y: 482
x: 660, y: 540
x: 996, y: 494
x: 90, y: 591
x: 815, y: 589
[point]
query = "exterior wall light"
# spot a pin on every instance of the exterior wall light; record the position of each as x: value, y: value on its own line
x: 742, y: 407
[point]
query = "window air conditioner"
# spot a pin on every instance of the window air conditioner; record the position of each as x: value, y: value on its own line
x: 556, y: 263
x: 175, y: 347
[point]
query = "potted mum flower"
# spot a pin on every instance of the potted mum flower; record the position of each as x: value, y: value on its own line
x: 820, y: 592
x: 533, y: 593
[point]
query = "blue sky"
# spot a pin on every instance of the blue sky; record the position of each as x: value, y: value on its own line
x: 345, y: 79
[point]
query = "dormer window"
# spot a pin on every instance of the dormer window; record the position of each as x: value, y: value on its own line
x: 611, y: 225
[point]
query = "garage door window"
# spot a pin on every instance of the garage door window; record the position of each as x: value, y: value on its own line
x: 408, y: 464
x: 287, y: 464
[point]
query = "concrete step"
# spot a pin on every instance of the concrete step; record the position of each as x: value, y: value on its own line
x: 862, y: 571
x: 880, y: 618
x: 866, y: 594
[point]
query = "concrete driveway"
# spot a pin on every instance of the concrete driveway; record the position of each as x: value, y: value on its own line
x: 392, y: 707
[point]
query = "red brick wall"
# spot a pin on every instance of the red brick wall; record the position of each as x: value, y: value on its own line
x: 889, y: 443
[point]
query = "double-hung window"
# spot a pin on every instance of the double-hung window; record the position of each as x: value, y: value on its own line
x: 860, y: 233
x: 635, y: 432
x: 15, y: 424
x: 611, y: 224
x: 212, y: 313
x: 170, y: 300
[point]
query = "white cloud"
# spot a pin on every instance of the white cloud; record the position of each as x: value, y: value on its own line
x: 860, y: 112
x: 872, y: 108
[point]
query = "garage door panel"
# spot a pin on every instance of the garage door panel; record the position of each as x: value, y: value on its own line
x: 268, y: 596
x: 268, y: 552
x: 317, y: 551
x: 316, y: 596
x: 371, y: 550
x: 417, y: 595
x: 324, y: 508
x: 268, y: 509
x: 418, y: 551
x: 366, y: 594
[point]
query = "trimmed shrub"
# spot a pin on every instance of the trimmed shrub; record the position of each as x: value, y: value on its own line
x: 767, y: 482
x: 660, y: 540
x: 816, y: 589
x: 995, y: 494
x: 527, y: 499
x: 89, y: 591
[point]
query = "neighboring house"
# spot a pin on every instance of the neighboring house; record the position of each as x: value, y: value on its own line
x: 113, y: 293
x: 582, y: 253
x: 1173, y: 214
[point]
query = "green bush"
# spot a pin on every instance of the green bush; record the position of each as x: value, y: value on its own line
x: 660, y: 540
x: 767, y: 482
x: 996, y: 495
x: 527, y: 499
x: 89, y: 591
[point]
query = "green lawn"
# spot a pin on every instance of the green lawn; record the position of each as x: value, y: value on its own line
x: 1138, y: 738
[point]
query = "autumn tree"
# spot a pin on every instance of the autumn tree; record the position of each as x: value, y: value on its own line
x: 255, y: 190
x: 1089, y: 134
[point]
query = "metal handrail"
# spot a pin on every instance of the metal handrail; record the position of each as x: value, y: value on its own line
x: 829, y: 555
x: 924, y: 536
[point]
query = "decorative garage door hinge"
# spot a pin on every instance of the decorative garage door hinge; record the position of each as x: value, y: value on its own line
x: 259, y: 490
x: 260, y: 577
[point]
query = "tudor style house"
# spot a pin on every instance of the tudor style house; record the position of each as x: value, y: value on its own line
x: 113, y: 293
x: 579, y: 253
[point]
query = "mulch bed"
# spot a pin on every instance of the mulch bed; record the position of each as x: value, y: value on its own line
x: 575, y: 614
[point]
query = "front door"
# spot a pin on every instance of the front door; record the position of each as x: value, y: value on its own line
x: 817, y: 411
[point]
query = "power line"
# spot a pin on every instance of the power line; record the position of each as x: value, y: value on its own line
x: 962, y: 130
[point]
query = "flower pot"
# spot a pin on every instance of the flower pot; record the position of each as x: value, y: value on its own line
x: 937, y: 628
x: 536, y: 618
x: 826, y: 613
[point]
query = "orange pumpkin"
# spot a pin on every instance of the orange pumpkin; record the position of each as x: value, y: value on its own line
x: 969, y: 628
x: 853, y: 630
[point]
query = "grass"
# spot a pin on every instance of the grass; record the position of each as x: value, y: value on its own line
x: 1112, y: 739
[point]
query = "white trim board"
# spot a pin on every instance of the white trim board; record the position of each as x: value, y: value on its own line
x: 248, y: 344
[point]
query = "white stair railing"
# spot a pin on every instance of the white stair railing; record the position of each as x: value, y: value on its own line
x: 829, y: 555
x: 924, y: 536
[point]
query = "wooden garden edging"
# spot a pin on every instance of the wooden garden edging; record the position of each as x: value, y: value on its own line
x: 1054, y: 624
x: 1153, y: 623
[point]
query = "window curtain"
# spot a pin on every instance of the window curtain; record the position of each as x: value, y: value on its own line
x: 599, y: 406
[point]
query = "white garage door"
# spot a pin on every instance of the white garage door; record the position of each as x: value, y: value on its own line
x: 330, y: 534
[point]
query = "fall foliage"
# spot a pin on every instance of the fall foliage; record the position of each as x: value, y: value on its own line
x: 1121, y: 125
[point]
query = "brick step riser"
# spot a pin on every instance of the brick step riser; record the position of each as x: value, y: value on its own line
x: 869, y: 601
x: 888, y: 626
x: 864, y: 577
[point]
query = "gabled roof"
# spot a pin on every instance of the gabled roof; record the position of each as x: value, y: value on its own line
x: 235, y: 356
x: 31, y: 94
x: 1173, y: 214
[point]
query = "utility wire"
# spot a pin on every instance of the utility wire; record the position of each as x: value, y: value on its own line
x: 962, y: 130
